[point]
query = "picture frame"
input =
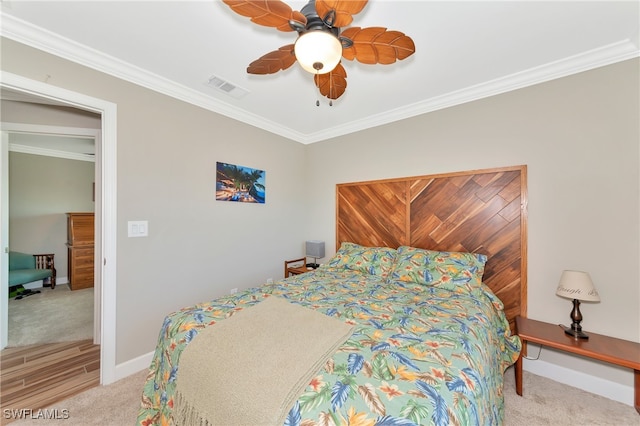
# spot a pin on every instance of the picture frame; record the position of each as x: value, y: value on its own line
x: 240, y: 183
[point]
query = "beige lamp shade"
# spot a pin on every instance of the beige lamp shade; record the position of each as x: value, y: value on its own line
x: 577, y: 285
x: 318, y: 52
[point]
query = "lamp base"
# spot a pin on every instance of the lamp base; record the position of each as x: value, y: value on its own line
x: 576, y: 334
x: 312, y: 265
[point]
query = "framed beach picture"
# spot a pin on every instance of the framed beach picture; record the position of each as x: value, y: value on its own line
x: 239, y: 183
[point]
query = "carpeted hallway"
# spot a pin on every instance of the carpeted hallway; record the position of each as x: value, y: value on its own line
x: 58, y: 315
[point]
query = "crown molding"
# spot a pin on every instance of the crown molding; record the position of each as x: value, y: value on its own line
x: 596, y: 58
x: 50, y: 42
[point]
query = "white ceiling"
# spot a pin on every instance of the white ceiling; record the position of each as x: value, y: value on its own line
x: 464, y: 51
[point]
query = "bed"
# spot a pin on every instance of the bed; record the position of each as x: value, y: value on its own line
x: 429, y: 274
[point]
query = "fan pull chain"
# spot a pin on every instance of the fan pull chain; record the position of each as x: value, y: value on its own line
x: 315, y: 79
x: 330, y: 88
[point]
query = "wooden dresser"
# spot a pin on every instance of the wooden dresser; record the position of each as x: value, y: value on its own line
x: 80, y: 240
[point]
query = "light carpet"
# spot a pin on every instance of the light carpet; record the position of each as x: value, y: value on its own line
x: 549, y: 403
x: 51, y: 316
x: 545, y: 402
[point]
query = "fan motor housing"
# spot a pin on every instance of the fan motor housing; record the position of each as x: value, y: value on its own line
x: 314, y: 22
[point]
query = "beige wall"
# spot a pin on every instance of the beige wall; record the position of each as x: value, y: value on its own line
x: 578, y: 136
x: 198, y: 248
x: 41, y: 190
x: 47, y: 115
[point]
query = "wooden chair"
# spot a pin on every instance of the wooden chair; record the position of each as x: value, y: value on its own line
x: 293, y: 264
x: 45, y: 261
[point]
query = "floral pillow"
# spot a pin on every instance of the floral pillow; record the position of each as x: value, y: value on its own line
x: 455, y: 271
x: 370, y: 260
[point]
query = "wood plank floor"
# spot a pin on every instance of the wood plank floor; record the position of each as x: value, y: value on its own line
x: 34, y: 377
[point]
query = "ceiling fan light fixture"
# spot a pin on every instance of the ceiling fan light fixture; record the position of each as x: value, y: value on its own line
x: 318, y: 51
x: 321, y: 42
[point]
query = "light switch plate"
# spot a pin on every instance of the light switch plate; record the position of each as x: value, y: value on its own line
x: 138, y: 228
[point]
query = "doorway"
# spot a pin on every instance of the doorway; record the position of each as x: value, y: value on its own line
x: 52, y: 171
x: 105, y: 211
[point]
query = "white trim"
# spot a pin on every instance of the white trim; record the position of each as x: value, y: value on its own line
x: 31, y: 35
x: 4, y: 237
x: 108, y: 189
x: 40, y: 38
x: 42, y: 129
x: 596, y: 385
x: 106, y: 250
x: 133, y: 366
x: 606, y: 55
x: 33, y: 285
x: 24, y: 149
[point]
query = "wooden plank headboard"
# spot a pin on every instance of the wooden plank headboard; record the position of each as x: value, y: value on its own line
x: 480, y: 211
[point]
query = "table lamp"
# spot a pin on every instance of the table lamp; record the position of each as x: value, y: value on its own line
x: 314, y: 249
x: 577, y: 285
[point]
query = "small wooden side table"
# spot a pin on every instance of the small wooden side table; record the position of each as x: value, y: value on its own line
x: 297, y: 271
x: 296, y: 267
x: 46, y: 261
x: 604, y: 348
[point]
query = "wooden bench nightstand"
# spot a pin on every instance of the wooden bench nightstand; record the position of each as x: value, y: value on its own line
x: 46, y: 261
x: 298, y: 271
x: 604, y: 348
x: 295, y: 267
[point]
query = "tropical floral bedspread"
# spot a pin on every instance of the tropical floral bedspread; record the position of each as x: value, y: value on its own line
x: 418, y: 355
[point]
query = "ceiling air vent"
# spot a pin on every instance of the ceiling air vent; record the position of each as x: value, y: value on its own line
x: 226, y: 87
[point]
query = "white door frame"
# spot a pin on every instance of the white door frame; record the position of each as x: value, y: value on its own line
x: 105, y: 206
x: 4, y: 238
x: 86, y: 133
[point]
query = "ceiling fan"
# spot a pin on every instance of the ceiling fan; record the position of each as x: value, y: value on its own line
x: 322, y: 41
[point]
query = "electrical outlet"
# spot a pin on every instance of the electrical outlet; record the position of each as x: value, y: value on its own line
x: 269, y: 280
x: 233, y: 291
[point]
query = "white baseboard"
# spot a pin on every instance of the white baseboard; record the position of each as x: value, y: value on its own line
x: 592, y: 384
x: 133, y: 366
x: 38, y: 284
x: 33, y: 285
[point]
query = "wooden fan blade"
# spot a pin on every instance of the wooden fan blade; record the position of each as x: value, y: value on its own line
x: 270, y: 13
x: 273, y: 62
x: 344, y: 10
x: 332, y: 84
x: 376, y: 45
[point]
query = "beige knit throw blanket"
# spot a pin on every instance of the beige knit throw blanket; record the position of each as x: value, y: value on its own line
x: 251, y: 368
